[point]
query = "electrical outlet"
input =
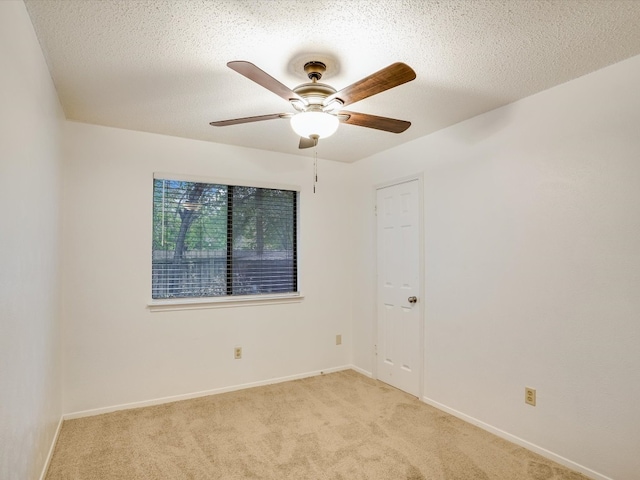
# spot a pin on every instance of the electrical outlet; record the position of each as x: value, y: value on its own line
x: 338, y: 339
x: 530, y: 396
x: 237, y: 353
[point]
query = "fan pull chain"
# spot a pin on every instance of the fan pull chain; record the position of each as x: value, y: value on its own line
x: 315, y: 168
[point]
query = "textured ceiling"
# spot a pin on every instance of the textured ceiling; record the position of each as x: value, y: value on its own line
x: 160, y: 65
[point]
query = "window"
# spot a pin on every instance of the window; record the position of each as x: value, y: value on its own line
x: 214, y: 240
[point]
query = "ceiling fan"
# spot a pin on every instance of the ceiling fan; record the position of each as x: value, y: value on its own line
x: 319, y: 106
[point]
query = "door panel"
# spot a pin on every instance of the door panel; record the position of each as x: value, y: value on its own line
x: 398, y: 263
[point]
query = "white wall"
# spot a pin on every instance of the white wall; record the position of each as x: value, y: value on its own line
x: 115, y: 350
x: 30, y: 120
x: 532, y: 236
x: 532, y: 247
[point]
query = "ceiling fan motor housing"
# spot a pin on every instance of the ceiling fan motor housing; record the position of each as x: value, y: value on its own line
x: 314, y: 93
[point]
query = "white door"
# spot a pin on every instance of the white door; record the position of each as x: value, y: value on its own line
x: 399, y: 355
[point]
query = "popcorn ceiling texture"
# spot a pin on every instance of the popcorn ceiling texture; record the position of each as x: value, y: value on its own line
x: 160, y: 65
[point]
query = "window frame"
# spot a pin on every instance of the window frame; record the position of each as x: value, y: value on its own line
x: 190, y: 303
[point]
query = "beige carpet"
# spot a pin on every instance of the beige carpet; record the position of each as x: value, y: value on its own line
x: 340, y: 426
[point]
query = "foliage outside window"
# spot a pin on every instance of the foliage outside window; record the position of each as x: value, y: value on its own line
x: 213, y: 240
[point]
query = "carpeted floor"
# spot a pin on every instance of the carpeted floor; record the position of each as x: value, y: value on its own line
x: 340, y: 426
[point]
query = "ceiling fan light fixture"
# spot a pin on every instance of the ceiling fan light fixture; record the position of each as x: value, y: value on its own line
x: 314, y: 124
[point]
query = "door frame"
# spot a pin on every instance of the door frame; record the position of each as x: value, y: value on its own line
x: 421, y: 256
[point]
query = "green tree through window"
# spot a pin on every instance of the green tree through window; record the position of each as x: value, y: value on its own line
x: 214, y: 240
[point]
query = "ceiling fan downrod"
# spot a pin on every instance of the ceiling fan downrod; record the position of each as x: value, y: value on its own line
x: 315, y: 70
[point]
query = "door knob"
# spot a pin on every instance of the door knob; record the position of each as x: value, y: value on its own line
x: 412, y: 299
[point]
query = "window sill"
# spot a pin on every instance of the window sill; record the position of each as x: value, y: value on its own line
x: 222, y: 302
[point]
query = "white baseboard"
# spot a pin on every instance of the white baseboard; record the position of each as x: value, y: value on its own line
x: 361, y: 371
x: 47, y: 460
x: 187, y: 396
x: 518, y: 441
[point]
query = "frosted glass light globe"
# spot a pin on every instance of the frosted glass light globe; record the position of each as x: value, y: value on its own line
x: 322, y: 124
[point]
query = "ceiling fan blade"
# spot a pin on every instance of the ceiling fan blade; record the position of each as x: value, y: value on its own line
x: 236, y: 121
x: 307, y: 142
x: 372, y: 121
x: 389, y: 77
x: 262, y: 78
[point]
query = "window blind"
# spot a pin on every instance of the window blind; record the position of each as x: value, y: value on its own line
x: 212, y: 240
